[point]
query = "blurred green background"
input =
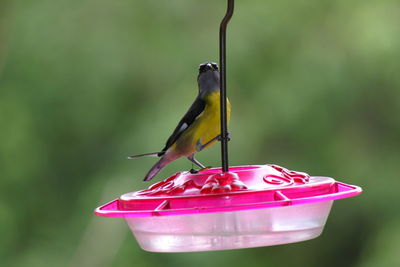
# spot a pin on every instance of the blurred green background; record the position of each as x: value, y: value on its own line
x: 314, y: 86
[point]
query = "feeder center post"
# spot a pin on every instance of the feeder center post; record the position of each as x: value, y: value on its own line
x: 222, y: 63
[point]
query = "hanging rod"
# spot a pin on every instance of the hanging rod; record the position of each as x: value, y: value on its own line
x: 222, y: 63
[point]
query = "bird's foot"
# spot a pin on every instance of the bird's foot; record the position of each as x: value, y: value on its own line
x: 193, y: 171
x: 222, y: 182
x: 228, y: 137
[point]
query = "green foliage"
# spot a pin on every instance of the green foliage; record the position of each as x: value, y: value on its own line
x: 314, y: 86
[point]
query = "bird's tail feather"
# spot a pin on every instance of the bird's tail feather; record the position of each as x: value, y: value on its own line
x: 156, y: 168
x: 153, y: 154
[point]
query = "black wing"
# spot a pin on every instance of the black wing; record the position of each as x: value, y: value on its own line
x: 195, y: 109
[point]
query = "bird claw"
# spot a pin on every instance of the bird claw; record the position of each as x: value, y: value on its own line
x: 228, y: 137
x: 193, y: 171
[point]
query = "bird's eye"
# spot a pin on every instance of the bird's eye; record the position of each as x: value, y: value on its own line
x: 215, y: 66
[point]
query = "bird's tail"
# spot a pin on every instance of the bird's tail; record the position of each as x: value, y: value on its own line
x: 153, y: 154
x: 157, y: 168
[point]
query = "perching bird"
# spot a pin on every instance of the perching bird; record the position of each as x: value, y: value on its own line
x: 199, y: 128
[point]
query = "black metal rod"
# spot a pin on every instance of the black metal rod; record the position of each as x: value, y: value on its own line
x: 222, y: 63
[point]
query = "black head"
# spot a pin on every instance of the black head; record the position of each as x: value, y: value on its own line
x: 208, y: 78
x: 208, y: 66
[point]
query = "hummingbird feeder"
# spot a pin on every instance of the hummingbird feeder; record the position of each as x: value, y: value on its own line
x: 228, y: 207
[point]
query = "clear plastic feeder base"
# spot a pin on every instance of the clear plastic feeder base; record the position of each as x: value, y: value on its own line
x: 230, y: 230
x: 249, y: 206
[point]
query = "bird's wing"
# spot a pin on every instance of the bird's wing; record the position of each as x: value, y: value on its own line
x: 194, y: 111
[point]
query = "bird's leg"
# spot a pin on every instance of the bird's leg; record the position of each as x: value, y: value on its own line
x: 195, y: 161
x: 200, y: 146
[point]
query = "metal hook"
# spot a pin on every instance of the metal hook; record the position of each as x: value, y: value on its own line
x: 222, y: 63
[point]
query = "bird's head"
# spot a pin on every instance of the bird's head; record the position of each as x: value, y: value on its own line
x: 208, y: 78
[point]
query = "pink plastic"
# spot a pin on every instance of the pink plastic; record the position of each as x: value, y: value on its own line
x: 249, y: 206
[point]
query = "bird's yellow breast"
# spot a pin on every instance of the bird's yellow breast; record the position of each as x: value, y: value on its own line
x: 206, y: 126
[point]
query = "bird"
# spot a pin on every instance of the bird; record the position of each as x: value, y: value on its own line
x: 199, y: 128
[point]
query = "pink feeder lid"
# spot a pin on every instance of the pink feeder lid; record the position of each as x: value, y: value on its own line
x: 242, y: 188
